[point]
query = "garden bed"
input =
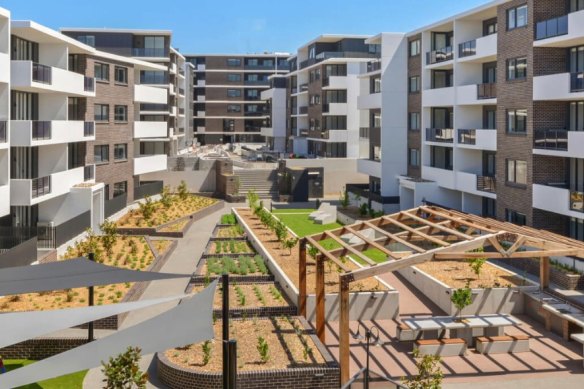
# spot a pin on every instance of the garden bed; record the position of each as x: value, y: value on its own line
x: 241, y: 266
x: 228, y: 232
x: 242, y: 296
x: 229, y: 247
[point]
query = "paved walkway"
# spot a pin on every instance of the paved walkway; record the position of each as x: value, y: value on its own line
x: 183, y: 260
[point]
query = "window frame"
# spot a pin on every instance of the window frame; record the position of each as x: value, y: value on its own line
x: 102, y: 66
x: 230, y: 108
x: 101, y: 161
x: 417, y: 44
x: 233, y: 92
x: 511, y: 169
x: 418, y: 86
x: 513, y: 129
x: 515, y: 217
x: 410, y: 117
x: 125, y: 148
x: 513, y: 66
x: 412, y: 151
x: 233, y: 62
x: 101, y: 110
x: 117, y: 119
x: 233, y: 77
x: 515, y: 18
x: 124, y: 71
x: 123, y: 184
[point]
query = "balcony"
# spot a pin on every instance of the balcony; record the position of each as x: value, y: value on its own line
x: 467, y: 49
x: 476, y: 94
x: 483, y: 49
x: 564, y: 31
x: 477, y: 139
x: 473, y: 184
x: 334, y: 82
x: 440, y: 135
x: 150, y: 130
x: 557, y: 198
x: 26, y: 192
x: 369, y: 167
x: 150, y: 94
x: 559, y: 143
x: 149, y: 52
x: 373, y: 66
x: 336, y: 54
x: 487, y: 184
x: 443, y: 177
x: 303, y: 110
x: 29, y: 133
x: 561, y: 86
x: 440, y: 97
x: 487, y: 91
x: 33, y: 77
x: 334, y: 108
x: 149, y: 163
x: 370, y: 101
x: 438, y: 56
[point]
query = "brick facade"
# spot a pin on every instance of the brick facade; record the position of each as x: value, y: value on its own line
x: 414, y: 105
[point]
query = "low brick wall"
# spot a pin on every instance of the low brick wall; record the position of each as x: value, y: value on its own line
x: 558, y: 277
x: 40, y: 348
x: 240, y: 280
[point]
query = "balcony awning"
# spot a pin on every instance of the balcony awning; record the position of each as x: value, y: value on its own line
x: 73, y: 273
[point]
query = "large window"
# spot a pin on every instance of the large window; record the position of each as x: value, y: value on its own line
x: 121, y: 75
x: 314, y: 100
x: 516, y: 69
x: 87, y: 39
x: 414, y: 157
x: 414, y: 84
x: 577, y: 59
x: 233, y: 62
x: 154, y: 46
x: 576, y: 5
x: 335, y: 70
x: 101, y: 153
x: 516, y: 172
x: 234, y: 77
x: 234, y: 108
x: 121, y: 113
x: 336, y: 96
x: 441, y: 157
x: 155, y: 77
x: 24, y: 50
x: 335, y: 123
x: 120, y: 188
x: 375, y: 84
x: 517, y: 121
x: 415, y: 47
x: 517, y: 17
x: 576, y: 116
x: 414, y: 121
x: 233, y: 93
x: 120, y: 152
x: 101, y: 71
x: 515, y: 217
x: 101, y: 113
x: 442, y: 78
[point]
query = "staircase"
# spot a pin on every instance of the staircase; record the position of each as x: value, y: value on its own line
x: 263, y: 181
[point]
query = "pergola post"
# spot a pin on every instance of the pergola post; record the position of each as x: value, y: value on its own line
x: 302, y: 277
x: 320, y: 316
x: 544, y: 272
x: 344, y: 351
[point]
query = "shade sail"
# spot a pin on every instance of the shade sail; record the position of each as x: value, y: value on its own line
x: 189, y: 322
x: 73, y: 273
x: 20, y: 326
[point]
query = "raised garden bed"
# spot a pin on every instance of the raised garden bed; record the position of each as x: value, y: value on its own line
x: 228, y: 232
x: 295, y: 358
x: 229, y: 247
x: 242, y: 266
x: 562, y: 276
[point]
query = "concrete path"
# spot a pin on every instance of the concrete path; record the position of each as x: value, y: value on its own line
x: 183, y: 260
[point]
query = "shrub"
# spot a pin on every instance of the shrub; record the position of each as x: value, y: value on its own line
x: 290, y: 243
x: 252, y: 199
x: 363, y: 209
x: 263, y: 349
x: 147, y: 208
x: 165, y: 197
x: 476, y: 264
x: 110, y: 237
x: 429, y: 373
x: 124, y: 371
x: 182, y: 190
x: 206, y: 348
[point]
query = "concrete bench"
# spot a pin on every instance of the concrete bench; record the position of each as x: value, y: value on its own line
x: 441, y: 347
x: 502, y: 344
x: 405, y: 333
x: 580, y: 339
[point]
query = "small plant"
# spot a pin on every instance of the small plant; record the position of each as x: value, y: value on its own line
x: 429, y: 373
x: 263, y: 349
x: 252, y: 199
x: 124, y: 371
x: 110, y: 236
x: 165, y: 197
x: 275, y: 293
x: 69, y: 295
x: 476, y: 264
x: 363, y: 209
x: 307, y: 351
x: 260, y: 264
x: 259, y: 295
x: 290, y: 244
x: 206, y: 348
x: 313, y: 252
x: 147, y: 208
x: 240, y: 296
x: 462, y: 298
x: 182, y: 190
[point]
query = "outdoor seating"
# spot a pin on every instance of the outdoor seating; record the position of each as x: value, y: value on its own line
x: 441, y: 347
x: 325, y: 214
x: 502, y: 344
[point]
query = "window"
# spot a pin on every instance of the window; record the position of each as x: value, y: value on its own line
x: 120, y: 113
x: 414, y: 84
x: 153, y: 77
x: 490, y: 27
x: 317, y: 74
x: 442, y: 78
x: 101, y: 113
x: 234, y: 108
x: 252, y: 108
x: 515, y: 217
x: 576, y: 5
x: 516, y: 69
x: 252, y: 62
x: 253, y: 93
x: 120, y: 188
x: 516, y: 172
x: 311, y: 77
x: 415, y: 48
x: 154, y: 46
x: 414, y: 121
x: 335, y: 70
x: 101, y: 71
x: 517, y: 17
x: 252, y: 77
x: 234, y: 77
x: 121, y: 75
x: 233, y: 93
x: 228, y: 125
x: 120, y: 152
x: 517, y: 121
x: 335, y: 122
x: 24, y: 50
x: 101, y: 154
x: 576, y: 116
x: 87, y: 39
x: 314, y: 100
x: 233, y: 62
x: 336, y: 96
x: 375, y: 84
x: 414, y: 157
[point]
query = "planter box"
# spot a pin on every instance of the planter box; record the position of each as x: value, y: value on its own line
x: 564, y: 280
x: 382, y: 305
x: 485, y: 301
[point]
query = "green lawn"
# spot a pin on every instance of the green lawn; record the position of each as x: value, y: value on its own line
x: 292, y: 210
x: 69, y: 381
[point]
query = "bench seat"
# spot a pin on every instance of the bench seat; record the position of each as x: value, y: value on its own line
x: 580, y: 339
x: 502, y: 344
x: 441, y: 347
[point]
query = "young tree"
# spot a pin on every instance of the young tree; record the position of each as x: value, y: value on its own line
x: 183, y: 190
x: 147, y: 208
x: 429, y: 373
x: 110, y: 235
x: 462, y: 298
x: 476, y: 264
x: 313, y: 252
x: 281, y: 231
x: 123, y: 371
x: 290, y: 243
x: 252, y: 198
x: 166, y: 197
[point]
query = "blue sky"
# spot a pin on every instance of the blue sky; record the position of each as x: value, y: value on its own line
x: 242, y: 26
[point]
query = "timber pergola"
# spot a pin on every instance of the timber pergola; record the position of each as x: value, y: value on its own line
x: 416, y: 236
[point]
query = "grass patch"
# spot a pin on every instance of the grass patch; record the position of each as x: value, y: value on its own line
x: 294, y: 210
x: 69, y: 381
x: 303, y: 226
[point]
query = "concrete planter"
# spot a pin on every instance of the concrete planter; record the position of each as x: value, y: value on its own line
x: 363, y: 305
x: 485, y: 301
x: 564, y: 280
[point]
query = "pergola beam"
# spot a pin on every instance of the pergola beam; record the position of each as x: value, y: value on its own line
x: 326, y: 253
x: 393, y: 237
x: 371, y: 242
x: 460, y: 220
x: 414, y: 231
x: 497, y: 255
x: 439, y: 227
x: 348, y: 247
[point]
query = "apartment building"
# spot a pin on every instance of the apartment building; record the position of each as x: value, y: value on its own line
x: 5, y: 65
x: 228, y: 103
x: 274, y: 128
x: 322, y: 95
x: 152, y: 46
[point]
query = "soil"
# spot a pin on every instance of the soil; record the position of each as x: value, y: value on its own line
x: 288, y: 262
x: 285, y: 347
x: 456, y: 272
x: 257, y: 272
x: 161, y: 215
x: 176, y: 227
x: 78, y: 297
x: 266, y: 291
x: 224, y: 247
x: 229, y: 232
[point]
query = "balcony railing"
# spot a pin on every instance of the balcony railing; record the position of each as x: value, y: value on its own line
x: 41, y: 186
x: 88, y: 172
x: 154, y: 79
x: 550, y: 139
x: 89, y: 129
x: 551, y: 28
x: 576, y: 201
x: 441, y: 55
x: 256, y: 82
x: 149, y: 52
x: 3, y: 131
x: 373, y: 66
x: 41, y: 130
x: 336, y: 54
x: 303, y: 110
x: 487, y: 91
x: 153, y: 107
x: 487, y: 184
x: 467, y: 49
x: 467, y: 137
x: 89, y: 84
x: 577, y: 82
x: 441, y: 135
x: 42, y: 73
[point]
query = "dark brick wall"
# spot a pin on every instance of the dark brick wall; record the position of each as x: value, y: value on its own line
x: 548, y: 170
x: 40, y: 348
x: 414, y: 105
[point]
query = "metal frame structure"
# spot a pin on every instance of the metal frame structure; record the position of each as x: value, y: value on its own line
x: 416, y: 236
